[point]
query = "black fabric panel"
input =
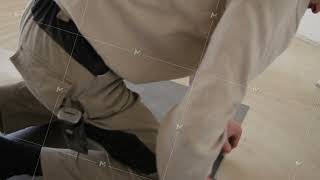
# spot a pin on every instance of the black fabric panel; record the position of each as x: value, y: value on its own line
x: 124, y: 147
x: 65, y: 34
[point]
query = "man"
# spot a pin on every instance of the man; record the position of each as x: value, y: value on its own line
x: 75, y: 54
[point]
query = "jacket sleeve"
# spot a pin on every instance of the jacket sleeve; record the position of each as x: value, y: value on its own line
x: 249, y: 36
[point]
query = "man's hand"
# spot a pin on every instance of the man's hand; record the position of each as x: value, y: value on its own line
x: 234, y: 132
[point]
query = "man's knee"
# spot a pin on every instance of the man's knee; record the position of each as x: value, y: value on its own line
x: 19, y: 108
x: 7, y: 92
x: 6, y: 96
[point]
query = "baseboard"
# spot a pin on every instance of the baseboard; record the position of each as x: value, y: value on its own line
x: 307, y: 40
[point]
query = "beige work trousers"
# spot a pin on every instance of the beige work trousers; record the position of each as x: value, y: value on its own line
x: 53, y: 79
x: 20, y: 109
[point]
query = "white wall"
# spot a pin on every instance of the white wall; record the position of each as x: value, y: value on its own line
x: 310, y: 27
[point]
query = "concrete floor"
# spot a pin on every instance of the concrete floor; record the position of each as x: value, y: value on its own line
x: 282, y: 129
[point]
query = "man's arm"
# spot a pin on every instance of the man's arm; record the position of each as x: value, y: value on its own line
x: 250, y: 35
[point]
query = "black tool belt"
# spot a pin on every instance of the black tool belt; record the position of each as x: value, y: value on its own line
x: 124, y: 147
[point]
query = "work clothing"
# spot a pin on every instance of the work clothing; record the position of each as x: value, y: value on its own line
x: 232, y: 41
x: 20, y: 109
x: 100, y: 97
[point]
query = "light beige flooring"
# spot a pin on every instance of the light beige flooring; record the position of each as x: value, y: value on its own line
x: 10, y: 13
x: 281, y: 138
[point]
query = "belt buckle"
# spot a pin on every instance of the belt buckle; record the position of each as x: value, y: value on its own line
x: 73, y: 129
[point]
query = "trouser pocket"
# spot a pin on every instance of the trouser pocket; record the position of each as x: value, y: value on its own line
x: 106, y: 96
x: 48, y: 87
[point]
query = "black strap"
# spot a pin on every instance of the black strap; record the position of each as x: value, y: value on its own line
x: 67, y: 35
x: 124, y: 147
